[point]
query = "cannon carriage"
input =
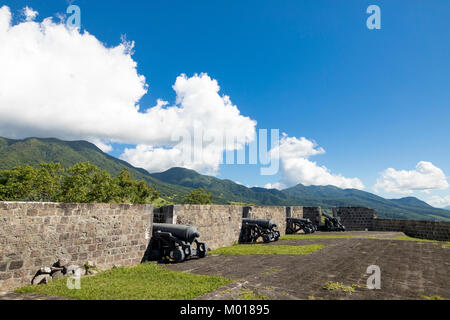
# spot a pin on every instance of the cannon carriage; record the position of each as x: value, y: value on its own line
x: 175, y: 243
x: 253, y: 229
x: 294, y: 225
x: 331, y: 224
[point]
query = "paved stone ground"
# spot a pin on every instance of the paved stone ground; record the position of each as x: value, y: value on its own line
x: 18, y: 296
x: 409, y: 270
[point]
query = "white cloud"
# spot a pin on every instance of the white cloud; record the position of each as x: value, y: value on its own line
x: 67, y: 84
x: 200, y: 121
x: 294, y: 148
x: 439, y: 202
x: 29, y: 13
x: 424, y: 177
x: 297, y: 168
x: 276, y: 185
x: 105, y: 147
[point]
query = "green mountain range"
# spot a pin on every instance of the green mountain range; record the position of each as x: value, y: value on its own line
x: 177, y: 182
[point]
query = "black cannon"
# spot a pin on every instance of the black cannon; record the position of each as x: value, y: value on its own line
x: 253, y: 229
x: 175, y: 243
x: 294, y: 225
x: 331, y: 224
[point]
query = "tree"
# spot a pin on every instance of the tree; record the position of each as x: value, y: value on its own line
x: 48, y: 182
x: 18, y: 184
x: 198, y: 196
x: 128, y: 190
x: 85, y: 183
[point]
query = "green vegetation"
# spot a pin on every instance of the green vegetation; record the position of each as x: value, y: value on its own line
x: 242, y: 204
x: 84, y: 183
x: 314, y: 236
x: 248, y: 249
x: 250, y: 295
x: 408, y: 238
x: 446, y: 244
x: 198, y: 196
x: 432, y: 298
x: 146, y: 281
x: 160, y: 202
x: 34, y: 151
x: 331, y: 285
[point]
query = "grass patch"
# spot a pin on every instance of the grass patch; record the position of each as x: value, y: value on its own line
x: 446, y: 244
x: 248, y: 249
x: 250, y: 295
x: 146, y: 281
x: 331, y: 285
x: 314, y: 236
x: 408, y: 238
x: 432, y: 297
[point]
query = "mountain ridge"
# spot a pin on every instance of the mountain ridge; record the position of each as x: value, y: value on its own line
x: 174, y: 183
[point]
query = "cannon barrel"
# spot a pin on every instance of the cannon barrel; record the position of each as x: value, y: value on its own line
x: 263, y: 223
x: 298, y: 220
x: 328, y: 216
x: 183, y: 232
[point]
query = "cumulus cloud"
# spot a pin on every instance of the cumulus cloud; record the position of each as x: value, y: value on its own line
x: 424, y: 177
x: 29, y: 14
x: 296, y: 168
x: 276, y: 185
x: 202, y: 126
x: 439, y: 202
x: 67, y: 84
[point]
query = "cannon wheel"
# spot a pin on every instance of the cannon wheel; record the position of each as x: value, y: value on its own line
x: 177, y: 254
x: 202, y: 250
x: 277, y: 235
x: 266, y: 238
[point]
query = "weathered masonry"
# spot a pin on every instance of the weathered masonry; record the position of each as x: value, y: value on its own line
x: 434, y: 230
x: 33, y: 235
x: 356, y: 218
x: 313, y: 213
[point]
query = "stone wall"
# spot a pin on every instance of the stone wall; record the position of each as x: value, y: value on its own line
x: 218, y: 225
x: 433, y: 230
x: 313, y: 213
x: 163, y: 214
x: 33, y: 235
x: 276, y: 213
x: 294, y: 212
x: 355, y: 218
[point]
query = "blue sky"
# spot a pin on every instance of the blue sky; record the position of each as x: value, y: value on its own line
x: 372, y: 99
